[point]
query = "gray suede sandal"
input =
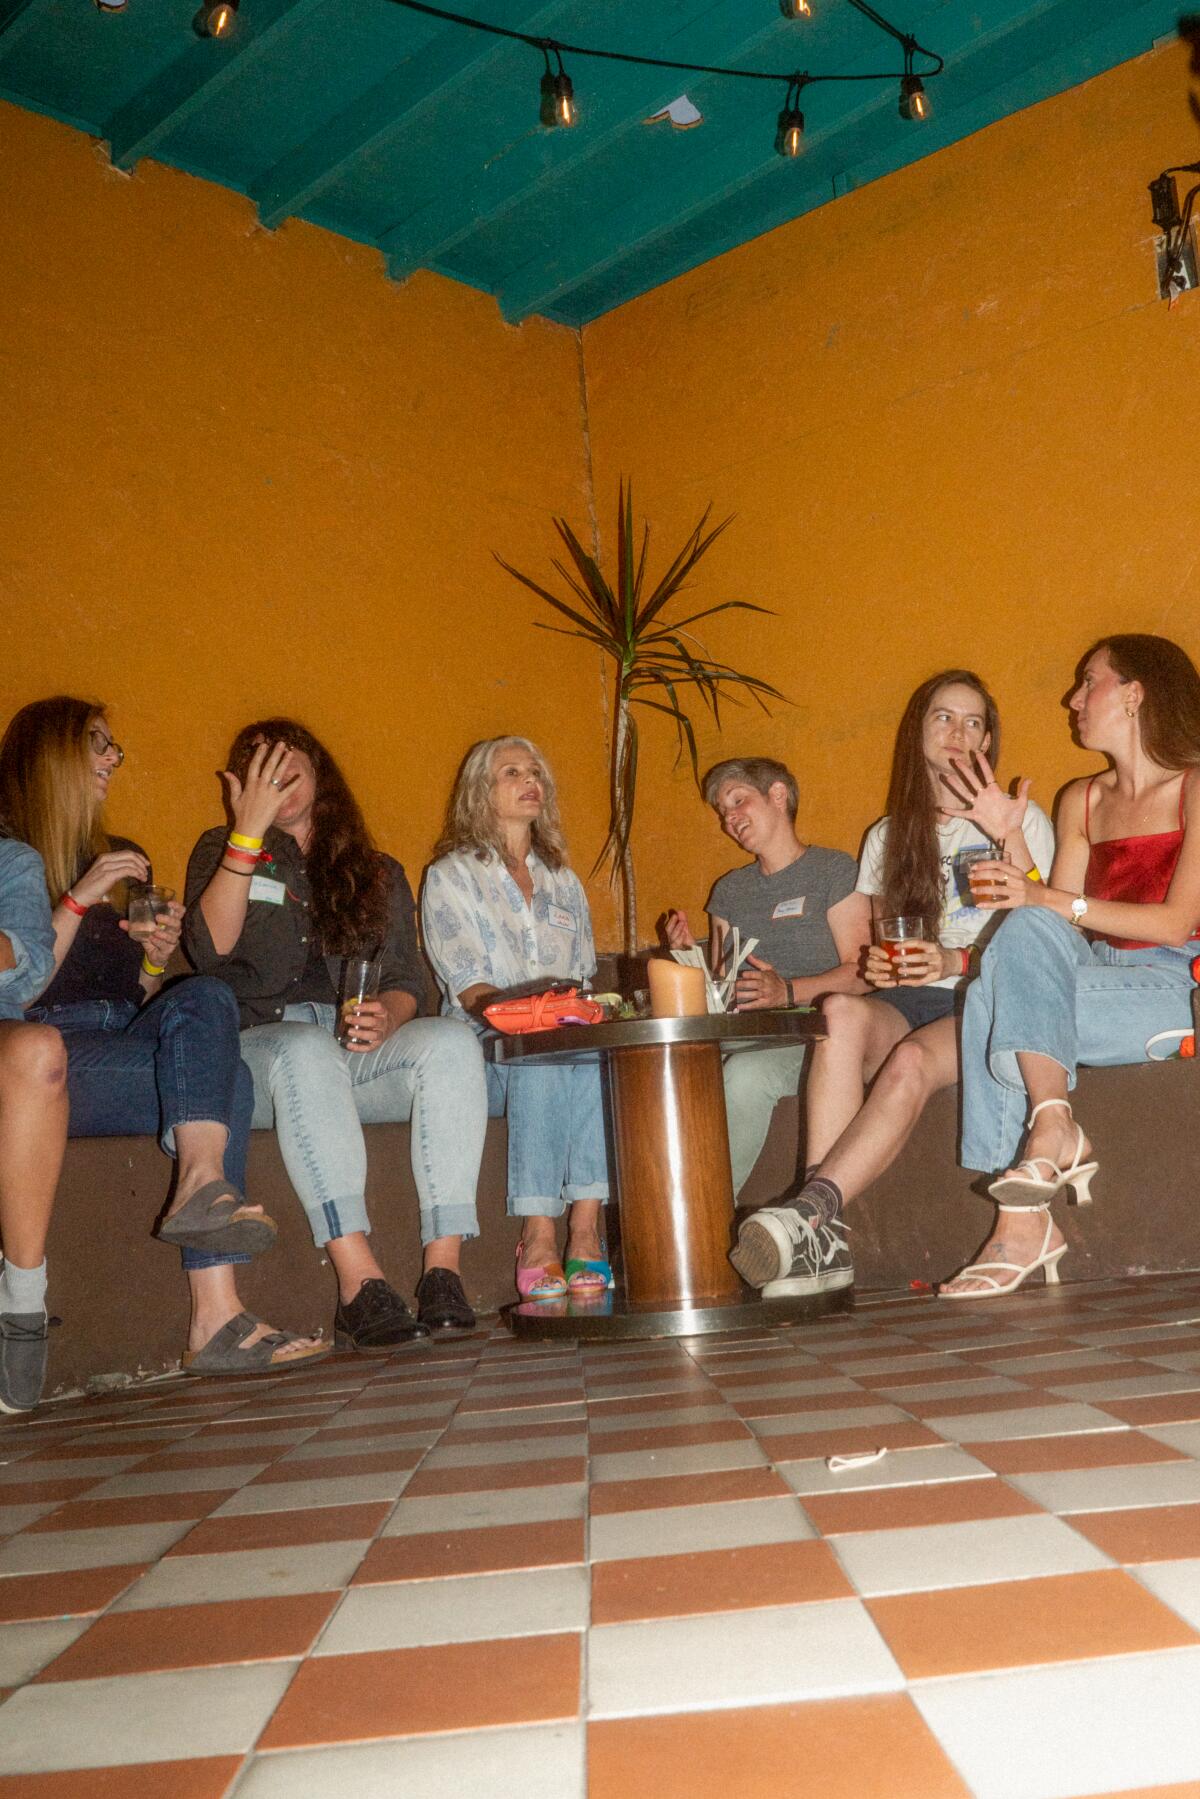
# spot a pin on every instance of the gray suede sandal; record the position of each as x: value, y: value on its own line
x: 223, y: 1354
x: 216, y: 1218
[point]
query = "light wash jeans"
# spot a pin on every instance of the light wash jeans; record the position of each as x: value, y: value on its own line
x: 556, y: 1149
x: 319, y: 1095
x: 1043, y: 987
x: 755, y: 1079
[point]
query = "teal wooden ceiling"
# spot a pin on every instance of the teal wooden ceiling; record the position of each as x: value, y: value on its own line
x: 422, y: 138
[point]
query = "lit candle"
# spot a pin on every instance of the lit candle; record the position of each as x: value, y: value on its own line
x: 676, y: 991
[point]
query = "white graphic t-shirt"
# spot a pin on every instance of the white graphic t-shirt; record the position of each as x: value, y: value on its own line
x: 961, y: 923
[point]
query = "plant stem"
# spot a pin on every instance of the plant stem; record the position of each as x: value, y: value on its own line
x: 628, y: 884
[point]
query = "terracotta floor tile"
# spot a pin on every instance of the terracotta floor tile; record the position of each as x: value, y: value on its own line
x: 802, y: 1446
x: 101, y: 1447
x: 730, y: 1379
x: 1094, y: 1371
x: 441, y: 1687
x: 898, y: 1508
x: 1019, y: 1346
x: 1083, y: 1449
x: 493, y: 1475
x: 194, y: 1636
x: 1023, y: 1623
x: 47, y: 1492
x: 1185, y: 1789
x: 1156, y: 1408
x: 73, y: 1594
x: 1020, y: 1399
x: 260, y: 1425
x: 333, y: 1467
x: 715, y: 1580
x: 491, y: 1549
x: 1152, y: 1533
x: 876, y: 1748
x: 526, y: 1401
x: 208, y: 1777
x: 672, y: 1436
x: 283, y: 1530
x: 525, y: 1430
x: 181, y: 1461
x: 685, y: 1489
x: 141, y: 1508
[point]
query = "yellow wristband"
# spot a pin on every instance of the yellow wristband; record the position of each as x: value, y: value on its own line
x: 1031, y: 874
x: 245, y: 843
x: 149, y: 968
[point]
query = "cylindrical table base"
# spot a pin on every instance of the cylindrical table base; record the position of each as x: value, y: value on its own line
x: 675, y: 1191
x: 613, y: 1316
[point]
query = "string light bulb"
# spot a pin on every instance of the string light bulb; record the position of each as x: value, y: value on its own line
x: 110, y: 5
x: 796, y: 9
x: 216, y: 18
x: 558, y: 108
x: 789, y: 134
x: 914, y: 101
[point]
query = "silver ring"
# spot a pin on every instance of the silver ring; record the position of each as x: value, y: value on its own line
x: 273, y: 782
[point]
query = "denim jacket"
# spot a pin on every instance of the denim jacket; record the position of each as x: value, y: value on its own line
x: 25, y: 921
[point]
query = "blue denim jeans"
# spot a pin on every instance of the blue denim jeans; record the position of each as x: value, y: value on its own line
x: 556, y: 1149
x: 318, y: 1096
x: 141, y: 1071
x: 1045, y: 988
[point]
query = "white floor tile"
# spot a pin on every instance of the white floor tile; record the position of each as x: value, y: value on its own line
x: 680, y: 1529
x: 179, y: 1480
x: 139, y: 1717
x: 699, y: 1458
x: 898, y: 1468
x: 509, y: 1449
x: 26, y: 1648
x: 292, y: 1495
x: 406, y: 1614
x: 1177, y: 1584
x: 46, y: 1552
x: 246, y: 1574
x: 1022, y: 1421
x: 924, y: 1557
x: 1083, y: 1728
x: 474, y: 1511
x: 603, y: 1420
x: 550, y: 1760
x: 780, y: 1424
x: 1176, y: 1436
x: 763, y: 1657
x: 1108, y: 1489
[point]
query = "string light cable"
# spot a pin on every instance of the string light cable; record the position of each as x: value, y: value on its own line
x: 1175, y: 225
x: 557, y: 100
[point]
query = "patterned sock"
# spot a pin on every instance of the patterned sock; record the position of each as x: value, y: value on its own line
x: 823, y: 1196
x: 23, y: 1289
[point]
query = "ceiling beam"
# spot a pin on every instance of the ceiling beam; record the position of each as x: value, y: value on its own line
x: 396, y: 103
x: 1032, y: 32
x: 201, y: 70
x: 436, y: 228
x: 17, y: 19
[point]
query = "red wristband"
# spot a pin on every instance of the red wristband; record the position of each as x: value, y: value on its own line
x: 966, y: 961
x: 72, y: 904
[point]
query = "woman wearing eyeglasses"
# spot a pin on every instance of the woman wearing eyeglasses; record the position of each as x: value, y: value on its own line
x: 141, y: 1059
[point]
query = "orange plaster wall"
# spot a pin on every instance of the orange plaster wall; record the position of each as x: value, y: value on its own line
x: 244, y: 473
x: 956, y: 426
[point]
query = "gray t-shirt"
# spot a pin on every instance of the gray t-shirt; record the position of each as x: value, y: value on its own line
x: 788, y: 912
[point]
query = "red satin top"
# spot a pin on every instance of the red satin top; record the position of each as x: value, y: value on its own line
x: 1135, y: 870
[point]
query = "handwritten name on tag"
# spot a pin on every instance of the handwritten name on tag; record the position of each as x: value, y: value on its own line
x: 790, y: 908
x: 560, y: 918
x: 262, y: 887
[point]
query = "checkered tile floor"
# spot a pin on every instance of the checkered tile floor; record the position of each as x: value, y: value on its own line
x: 495, y: 1566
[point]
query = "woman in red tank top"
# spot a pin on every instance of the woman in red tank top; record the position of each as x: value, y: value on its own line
x: 1095, y: 964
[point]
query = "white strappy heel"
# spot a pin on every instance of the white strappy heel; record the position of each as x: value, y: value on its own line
x: 1048, y: 1259
x: 1029, y: 1191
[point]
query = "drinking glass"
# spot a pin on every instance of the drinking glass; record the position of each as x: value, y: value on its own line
x: 979, y: 887
x: 147, y: 903
x: 896, y: 933
x: 360, y: 981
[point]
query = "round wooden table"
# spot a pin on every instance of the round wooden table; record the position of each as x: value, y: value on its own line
x: 671, y: 1145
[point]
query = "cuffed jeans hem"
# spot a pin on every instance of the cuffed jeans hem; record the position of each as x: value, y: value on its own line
x: 195, y: 1259
x: 527, y: 1207
x: 166, y: 1141
x: 337, y: 1218
x: 1002, y: 1060
x: 450, y: 1221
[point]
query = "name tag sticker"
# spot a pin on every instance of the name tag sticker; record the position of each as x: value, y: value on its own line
x: 560, y: 918
x: 262, y: 887
x: 790, y: 908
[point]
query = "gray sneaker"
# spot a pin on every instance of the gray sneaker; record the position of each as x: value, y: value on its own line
x: 792, y: 1253
x: 24, y: 1349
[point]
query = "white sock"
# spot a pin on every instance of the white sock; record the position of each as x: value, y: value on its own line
x: 23, y: 1290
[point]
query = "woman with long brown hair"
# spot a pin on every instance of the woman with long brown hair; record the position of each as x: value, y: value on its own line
x: 277, y: 902
x: 141, y: 1058
x: 901, y: 1040
x: 1093, y: 967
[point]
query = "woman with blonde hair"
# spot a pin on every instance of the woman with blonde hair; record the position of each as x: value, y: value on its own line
x: 500, y: 909
x: 141, y: 1058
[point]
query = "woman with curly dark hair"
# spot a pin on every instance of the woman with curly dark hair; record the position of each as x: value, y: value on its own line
x: 276, y: 903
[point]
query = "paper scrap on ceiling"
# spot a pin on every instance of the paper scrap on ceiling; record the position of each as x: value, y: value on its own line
x: 681, y: 113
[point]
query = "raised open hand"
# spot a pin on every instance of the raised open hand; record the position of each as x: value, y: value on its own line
x: 974, y: 793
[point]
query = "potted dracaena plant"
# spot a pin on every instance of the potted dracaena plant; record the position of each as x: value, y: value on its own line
x: 655, y: 656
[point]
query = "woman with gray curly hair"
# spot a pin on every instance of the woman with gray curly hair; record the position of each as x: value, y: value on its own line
x: 500, y: 909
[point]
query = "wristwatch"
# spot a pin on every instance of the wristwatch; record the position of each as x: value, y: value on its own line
x: 1079, y: 908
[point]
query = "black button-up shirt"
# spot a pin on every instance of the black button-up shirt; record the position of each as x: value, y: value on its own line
x: 266, y: 966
